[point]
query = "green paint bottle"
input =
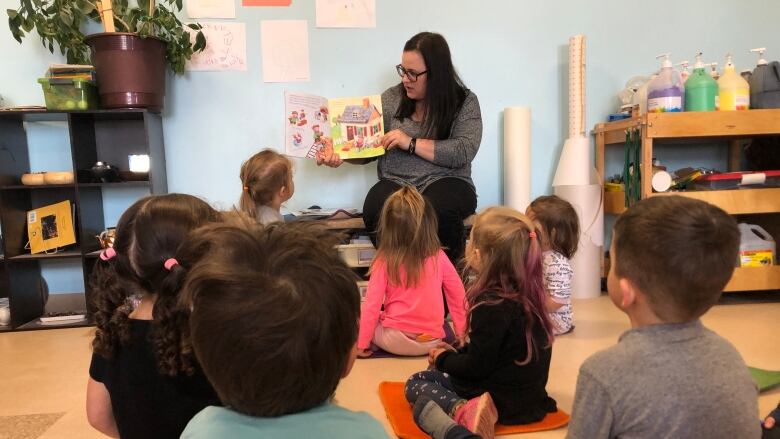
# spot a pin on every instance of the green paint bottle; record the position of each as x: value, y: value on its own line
x: 700, y: 89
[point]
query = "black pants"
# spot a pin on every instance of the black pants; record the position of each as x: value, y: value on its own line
x: 453, y: 200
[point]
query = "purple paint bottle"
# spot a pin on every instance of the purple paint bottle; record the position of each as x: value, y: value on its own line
x: 665, y: 93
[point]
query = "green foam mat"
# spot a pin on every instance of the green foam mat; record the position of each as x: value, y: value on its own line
x: 765, y: 379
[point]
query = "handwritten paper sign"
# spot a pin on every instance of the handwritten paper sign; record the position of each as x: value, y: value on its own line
x: 225, y: 48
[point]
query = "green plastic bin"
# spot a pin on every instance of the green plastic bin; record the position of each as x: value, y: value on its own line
x: 69, y: 94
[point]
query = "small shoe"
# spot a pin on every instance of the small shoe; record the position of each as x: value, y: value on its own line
x: 479, y: 415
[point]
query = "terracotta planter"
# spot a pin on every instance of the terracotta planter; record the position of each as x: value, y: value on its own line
x: 130, y: 70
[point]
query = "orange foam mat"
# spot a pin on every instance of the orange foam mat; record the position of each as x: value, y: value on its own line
x: 399, y: 412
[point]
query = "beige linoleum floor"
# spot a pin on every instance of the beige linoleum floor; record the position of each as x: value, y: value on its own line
x: 45, y: 372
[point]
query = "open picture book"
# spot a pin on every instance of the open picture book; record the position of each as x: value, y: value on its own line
x: 354, y: 124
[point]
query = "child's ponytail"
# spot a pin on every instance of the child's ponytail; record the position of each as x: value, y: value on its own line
x: 112, y: 307
x: 262, y: 176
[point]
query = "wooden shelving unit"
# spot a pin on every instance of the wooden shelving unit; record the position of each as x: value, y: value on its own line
x: 732, y: 127
x: 102, y: 135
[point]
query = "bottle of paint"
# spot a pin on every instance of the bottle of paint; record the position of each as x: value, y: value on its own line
x: 665, y: 93
x: 733, y: 90
x: 641, y: 94
x: 765, y: 83
x: 684, y: 72
x: 700, y: 89
x: 713, y: 70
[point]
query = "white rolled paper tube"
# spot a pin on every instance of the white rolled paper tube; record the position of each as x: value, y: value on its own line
x: 586, y: 264
x: 588, y: 203
x: 517, y: 157
x: 574, y: 165
x: 577, y: 86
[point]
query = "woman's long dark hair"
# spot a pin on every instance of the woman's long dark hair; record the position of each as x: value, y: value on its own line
x: 148, y: 233
x: 445, y: 91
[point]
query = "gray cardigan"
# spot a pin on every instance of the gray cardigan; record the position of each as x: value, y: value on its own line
x: 452, y: 156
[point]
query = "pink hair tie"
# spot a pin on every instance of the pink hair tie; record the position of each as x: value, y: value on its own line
x: 169, y: 263
x: 107, y: 254
x: 532, y: 234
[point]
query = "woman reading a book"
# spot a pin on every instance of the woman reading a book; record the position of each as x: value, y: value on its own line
x: 434, y: 128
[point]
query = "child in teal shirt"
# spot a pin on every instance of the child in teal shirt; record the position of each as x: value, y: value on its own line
x: 274, y: 324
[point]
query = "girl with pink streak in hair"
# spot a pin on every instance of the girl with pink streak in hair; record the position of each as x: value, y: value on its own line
x: 500, y: 372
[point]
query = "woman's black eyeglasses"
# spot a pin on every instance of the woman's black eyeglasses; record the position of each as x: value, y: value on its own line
x: 412, y: 75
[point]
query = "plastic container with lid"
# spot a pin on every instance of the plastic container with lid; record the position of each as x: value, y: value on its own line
x: 736, y: 180
x: 757, y: 248
x: 700, y: 89
x: 665, y: 93
x: 765, y: 83
x: 69, y: 94
x: 684, y: 72
x: 733, y: 90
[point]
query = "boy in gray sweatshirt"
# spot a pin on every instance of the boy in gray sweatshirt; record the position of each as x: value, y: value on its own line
x: 668, y: 376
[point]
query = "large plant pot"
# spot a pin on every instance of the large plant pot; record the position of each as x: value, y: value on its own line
x: 130, y: 70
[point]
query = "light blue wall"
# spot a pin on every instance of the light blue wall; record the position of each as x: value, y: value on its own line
x: 509, y: 52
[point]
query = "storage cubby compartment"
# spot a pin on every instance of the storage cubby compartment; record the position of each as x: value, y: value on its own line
x: 84, y: 138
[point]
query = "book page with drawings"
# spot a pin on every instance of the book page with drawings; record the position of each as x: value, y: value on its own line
x: 306, y: 123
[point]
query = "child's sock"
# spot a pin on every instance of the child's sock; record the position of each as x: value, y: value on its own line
x: 432, y: 420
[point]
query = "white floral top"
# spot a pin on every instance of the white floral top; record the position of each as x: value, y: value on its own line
x: 557, y: 280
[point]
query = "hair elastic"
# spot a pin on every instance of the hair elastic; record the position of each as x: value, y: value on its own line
x: 532, y: 234
x: 246, y: 188
x: 169, y: 263
x: 107, y: 254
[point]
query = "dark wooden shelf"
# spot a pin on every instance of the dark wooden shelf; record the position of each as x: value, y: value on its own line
x: 37, y: 187
x: 118, y: 184
x: 93, y: 254
x: 36, y: 324
x: 67, y: 254
x: 48, y: 115
x: 94, y: 135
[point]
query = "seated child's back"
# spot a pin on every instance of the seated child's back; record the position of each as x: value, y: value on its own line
x: 669, y: 376
x: 144, y: 380
x: 404, y: 311
x: 274, y: 324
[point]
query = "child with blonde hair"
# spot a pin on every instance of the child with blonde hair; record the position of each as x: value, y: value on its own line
x: 267, y: 182
x: 559, y: 225
x: 407, y: 278
x: 501, y: 372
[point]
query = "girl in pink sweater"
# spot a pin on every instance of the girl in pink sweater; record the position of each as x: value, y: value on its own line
x: 407, y: 277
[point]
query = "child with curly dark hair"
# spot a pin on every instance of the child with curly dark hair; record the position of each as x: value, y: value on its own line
x: 144, y: 380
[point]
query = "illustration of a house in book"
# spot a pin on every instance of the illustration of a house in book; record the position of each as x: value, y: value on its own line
x: 360, y: 125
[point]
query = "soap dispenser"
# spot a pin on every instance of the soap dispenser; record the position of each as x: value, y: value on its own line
x: 700, y: 89
x: 665, y: 93
x: 765, y: 82
x: 733, y: 90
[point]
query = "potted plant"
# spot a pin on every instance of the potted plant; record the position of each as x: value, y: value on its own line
x: 130, y: 64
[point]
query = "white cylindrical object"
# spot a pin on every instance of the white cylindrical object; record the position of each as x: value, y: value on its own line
x: 587, y: 201
x: 662, y: 181
x: 586, y: 264
x: 517, y: 157
x: 576, y: 86
x: 574, y: 166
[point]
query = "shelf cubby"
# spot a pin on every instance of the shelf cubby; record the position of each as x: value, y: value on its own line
x: 108, y: 136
